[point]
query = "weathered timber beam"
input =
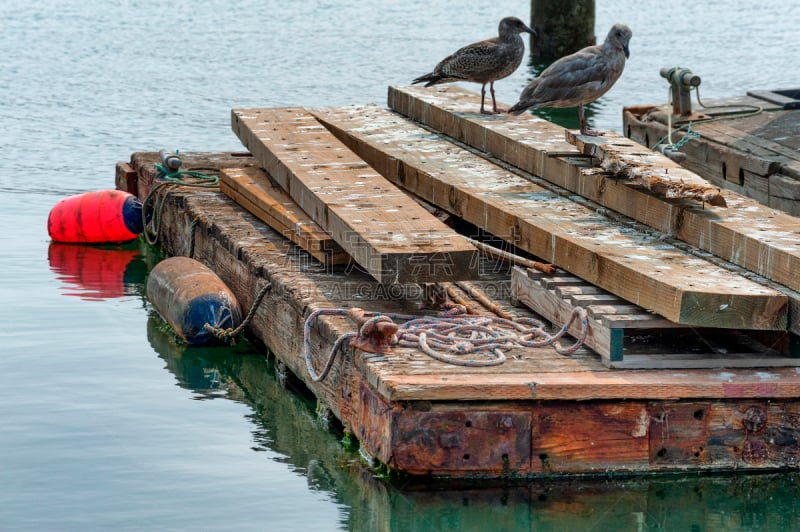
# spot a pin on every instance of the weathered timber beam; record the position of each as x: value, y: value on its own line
x: 584, y: 385
x: 626, y: 159
x: 633, y: 265
x: 745, y: 233
x: 387, y: 233
x: 252, y: 189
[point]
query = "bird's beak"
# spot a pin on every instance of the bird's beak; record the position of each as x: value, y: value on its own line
x: 627, y: 51
x: 529, y: 30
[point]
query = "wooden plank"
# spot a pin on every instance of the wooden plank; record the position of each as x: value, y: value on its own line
x: 557, y: 311
x: 280, y: 206
x: 614, y: 310
x: 632, y: 265
x: 782, y: 186
x: 388, y: 234
x: 745, y: 233
x: 655, y: 384
x: 568, y: 439
x: 584, y: 288
x: 611, y: 326
x: 729, y: 134
x: 791, y: 170
x: 250, y: 188
x: 702, y: 361
x: 626, y: 159
x: 126, y: 178
x: 463, y: 445
x: 751, y: 157
x: 562, y: 281
x: 587, y: 300
x: 628, y: 317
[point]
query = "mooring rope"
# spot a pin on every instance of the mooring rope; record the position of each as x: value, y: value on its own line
x: 451, y: 338
x: 153, y: 204
x: 229, y: 335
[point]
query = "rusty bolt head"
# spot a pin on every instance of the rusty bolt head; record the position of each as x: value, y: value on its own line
x: 754, y: 420
x: 755, y: 451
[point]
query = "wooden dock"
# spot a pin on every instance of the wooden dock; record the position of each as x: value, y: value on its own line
x: 748, y: 144
x: 690, y: 359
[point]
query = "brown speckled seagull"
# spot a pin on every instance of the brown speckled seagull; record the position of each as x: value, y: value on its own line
x: 579, y: 78
x: 484, y: 61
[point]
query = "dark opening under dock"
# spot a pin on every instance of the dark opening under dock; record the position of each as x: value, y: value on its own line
x: 689, y: 291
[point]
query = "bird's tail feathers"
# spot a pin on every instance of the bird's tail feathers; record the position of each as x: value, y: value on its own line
x: 519, y: 107
x: 429, y: 79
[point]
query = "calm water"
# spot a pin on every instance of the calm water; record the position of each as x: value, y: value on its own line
x: 107, y: 424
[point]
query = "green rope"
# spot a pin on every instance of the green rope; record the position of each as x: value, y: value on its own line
x: 153, y: 204
x: 178, y: 176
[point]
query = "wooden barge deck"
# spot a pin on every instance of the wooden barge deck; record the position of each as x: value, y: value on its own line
x: 690, y: 362
x: 748, y: 144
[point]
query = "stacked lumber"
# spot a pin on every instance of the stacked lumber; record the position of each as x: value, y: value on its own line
x: 354, y: 178
x: 255, y: 191
x: 529, y: 143
x: 635, y: 266
x: 387, y: 233
x: 745, y: 233
x: 627, y: 336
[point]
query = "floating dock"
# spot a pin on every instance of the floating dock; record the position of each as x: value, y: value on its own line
x: 687, y: 293
x: 748, y: 144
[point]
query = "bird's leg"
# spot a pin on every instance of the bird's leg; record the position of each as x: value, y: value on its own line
x: 483, y: 96
x: 585, y: 130
x: 494, y: 102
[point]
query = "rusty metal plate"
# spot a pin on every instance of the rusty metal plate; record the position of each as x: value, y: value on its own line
x: 491, y: 443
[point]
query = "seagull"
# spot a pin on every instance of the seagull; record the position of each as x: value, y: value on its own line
x: 484, y: 61
x: 580, y: 78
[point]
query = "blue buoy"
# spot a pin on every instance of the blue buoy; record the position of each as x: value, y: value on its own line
x: 189, y: 296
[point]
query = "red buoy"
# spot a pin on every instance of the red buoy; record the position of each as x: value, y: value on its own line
x: 102, y: 217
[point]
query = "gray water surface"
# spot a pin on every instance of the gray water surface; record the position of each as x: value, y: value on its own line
x: 108, y: 424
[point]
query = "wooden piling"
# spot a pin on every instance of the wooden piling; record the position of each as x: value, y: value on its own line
x: 562, y: 27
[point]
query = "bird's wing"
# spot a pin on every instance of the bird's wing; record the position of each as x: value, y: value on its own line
x: 472, y: 61
x: 574, y: 79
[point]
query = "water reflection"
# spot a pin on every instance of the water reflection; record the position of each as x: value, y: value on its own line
x: 209, y: 371
x: 285, y: 422
x: 98, y: 272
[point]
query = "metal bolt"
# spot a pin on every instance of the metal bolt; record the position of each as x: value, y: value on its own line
x: 755, y: 419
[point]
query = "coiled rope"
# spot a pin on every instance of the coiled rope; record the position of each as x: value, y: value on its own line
x: 153, y: 204
x: 452, y: 338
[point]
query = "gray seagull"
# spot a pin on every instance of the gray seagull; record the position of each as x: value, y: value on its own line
x: 580, y: 78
